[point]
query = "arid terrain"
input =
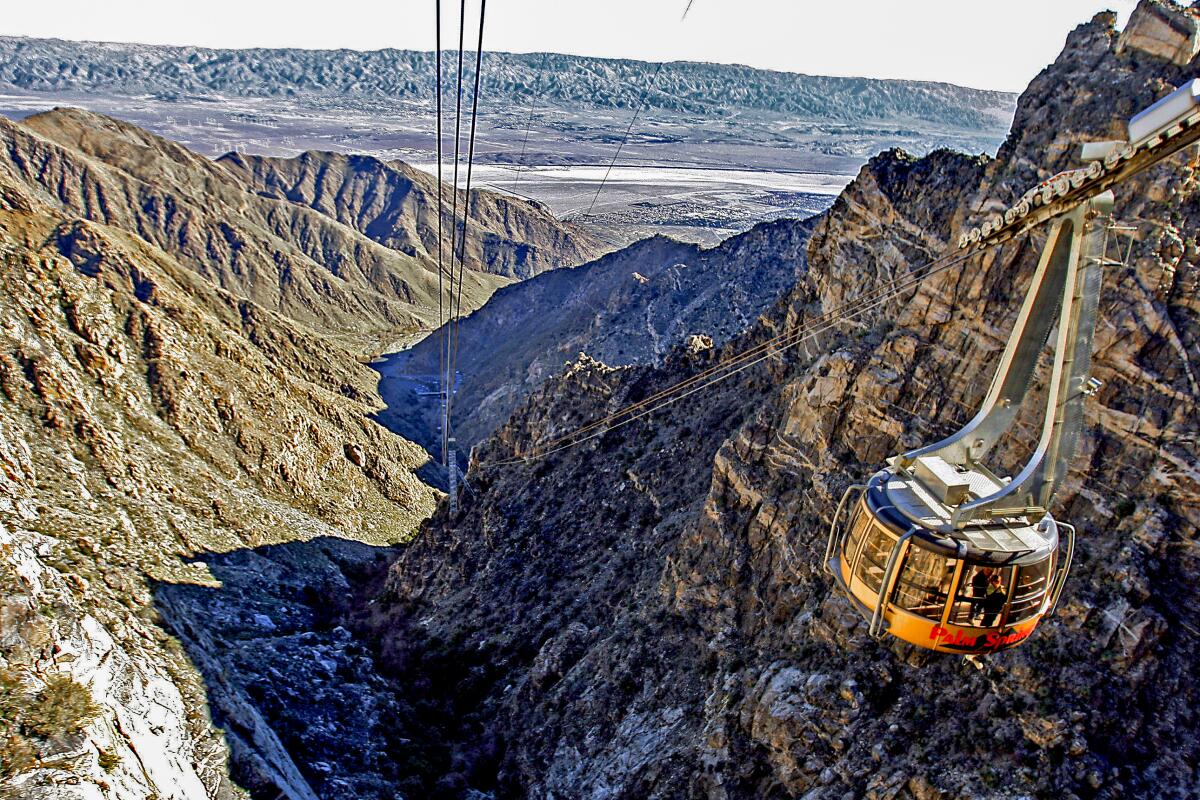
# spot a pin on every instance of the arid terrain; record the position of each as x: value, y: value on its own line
x: 230, y: 567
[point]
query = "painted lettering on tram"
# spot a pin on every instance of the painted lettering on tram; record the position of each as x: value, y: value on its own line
x: 992, y: 640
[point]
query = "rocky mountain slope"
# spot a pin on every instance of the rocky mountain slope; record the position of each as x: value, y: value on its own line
x: 396, y: 205
x: 191, y: 483
x: 149, y: 418
x: 276, y: 251
x: 707, y: 89
x: 630, y: 307
x: 645, y: 616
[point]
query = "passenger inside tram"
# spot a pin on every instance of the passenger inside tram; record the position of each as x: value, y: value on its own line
x: 987, y: 596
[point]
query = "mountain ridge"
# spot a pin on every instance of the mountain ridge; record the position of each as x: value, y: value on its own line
x: 46, y: 65
x: 282, y: 254
x: 395, y: 204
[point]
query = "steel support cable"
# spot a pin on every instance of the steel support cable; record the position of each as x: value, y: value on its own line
x: 438, y: 127
x: 447, y: 381
x: 910, y: 280
x: 529, y: 122
x: 771, y: 347
x: 803, y: 336
x: 741, y: 362
x: 440, y: 199
x: 462, y: 243
x: 625, y: 138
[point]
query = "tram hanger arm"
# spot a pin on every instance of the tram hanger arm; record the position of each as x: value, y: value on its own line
x: 1063, y: 296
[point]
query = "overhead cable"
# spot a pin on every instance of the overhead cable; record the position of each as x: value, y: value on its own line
x: 741, y: 361
x: 625, y: 138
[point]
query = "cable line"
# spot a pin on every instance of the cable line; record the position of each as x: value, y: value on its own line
x: 438, y: 125
x: 456, y: 300
x: 448, y: 381
x: 529, y: 122
x: 625, y: 138
x: 744, y: 360
x: 885, y: 292
x: 440, y: 199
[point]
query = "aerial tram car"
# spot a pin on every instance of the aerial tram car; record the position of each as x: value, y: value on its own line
x: 940, y: 551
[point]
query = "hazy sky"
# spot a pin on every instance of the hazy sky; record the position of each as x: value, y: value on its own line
x: 983, y: 43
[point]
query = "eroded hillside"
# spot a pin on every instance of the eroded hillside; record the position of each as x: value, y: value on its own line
x: 313, y: 267
x: 644, y: 616
x: 396, y: 205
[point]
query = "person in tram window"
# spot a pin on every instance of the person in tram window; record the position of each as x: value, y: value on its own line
x: 993, y: 601
x: 979, y: 593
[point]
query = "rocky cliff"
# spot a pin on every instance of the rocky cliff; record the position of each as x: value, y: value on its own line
x: 150, y: 418
x: 645, y: 616
x: 630, y: 307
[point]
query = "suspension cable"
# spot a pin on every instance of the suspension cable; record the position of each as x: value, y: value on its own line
x: 447, y: 381
x: 777, y: 340
x: 440, y: 200
x: 744, y: 360
x: 456, y: 305
x: 625, y: 138
x: 529, y: 121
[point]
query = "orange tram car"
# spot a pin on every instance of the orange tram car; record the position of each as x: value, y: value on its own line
x: 938, y: 550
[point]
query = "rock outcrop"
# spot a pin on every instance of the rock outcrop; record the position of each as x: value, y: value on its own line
x: 645, y: 616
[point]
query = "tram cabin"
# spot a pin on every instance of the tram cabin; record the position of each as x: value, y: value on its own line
x: 978, y: 589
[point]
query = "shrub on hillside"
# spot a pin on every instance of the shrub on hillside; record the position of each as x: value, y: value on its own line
x: 62, y: 707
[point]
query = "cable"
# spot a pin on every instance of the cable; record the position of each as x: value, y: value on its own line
x: 456, y: 307
x: 529, y: 122
x: 770, y: 347
x: 440, y: 201
x: 770, y: 343
x: 807, y: 334
x: 447, y: 383
x: 742, y: 361
x: 625, y: 138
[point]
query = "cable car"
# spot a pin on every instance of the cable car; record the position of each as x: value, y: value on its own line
x: 940, y: 551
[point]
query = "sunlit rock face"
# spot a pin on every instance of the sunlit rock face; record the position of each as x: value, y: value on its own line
x: 645, y: 615
x: 1157, y: 31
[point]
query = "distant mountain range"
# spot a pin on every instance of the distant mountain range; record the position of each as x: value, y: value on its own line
x: 44, y: 65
